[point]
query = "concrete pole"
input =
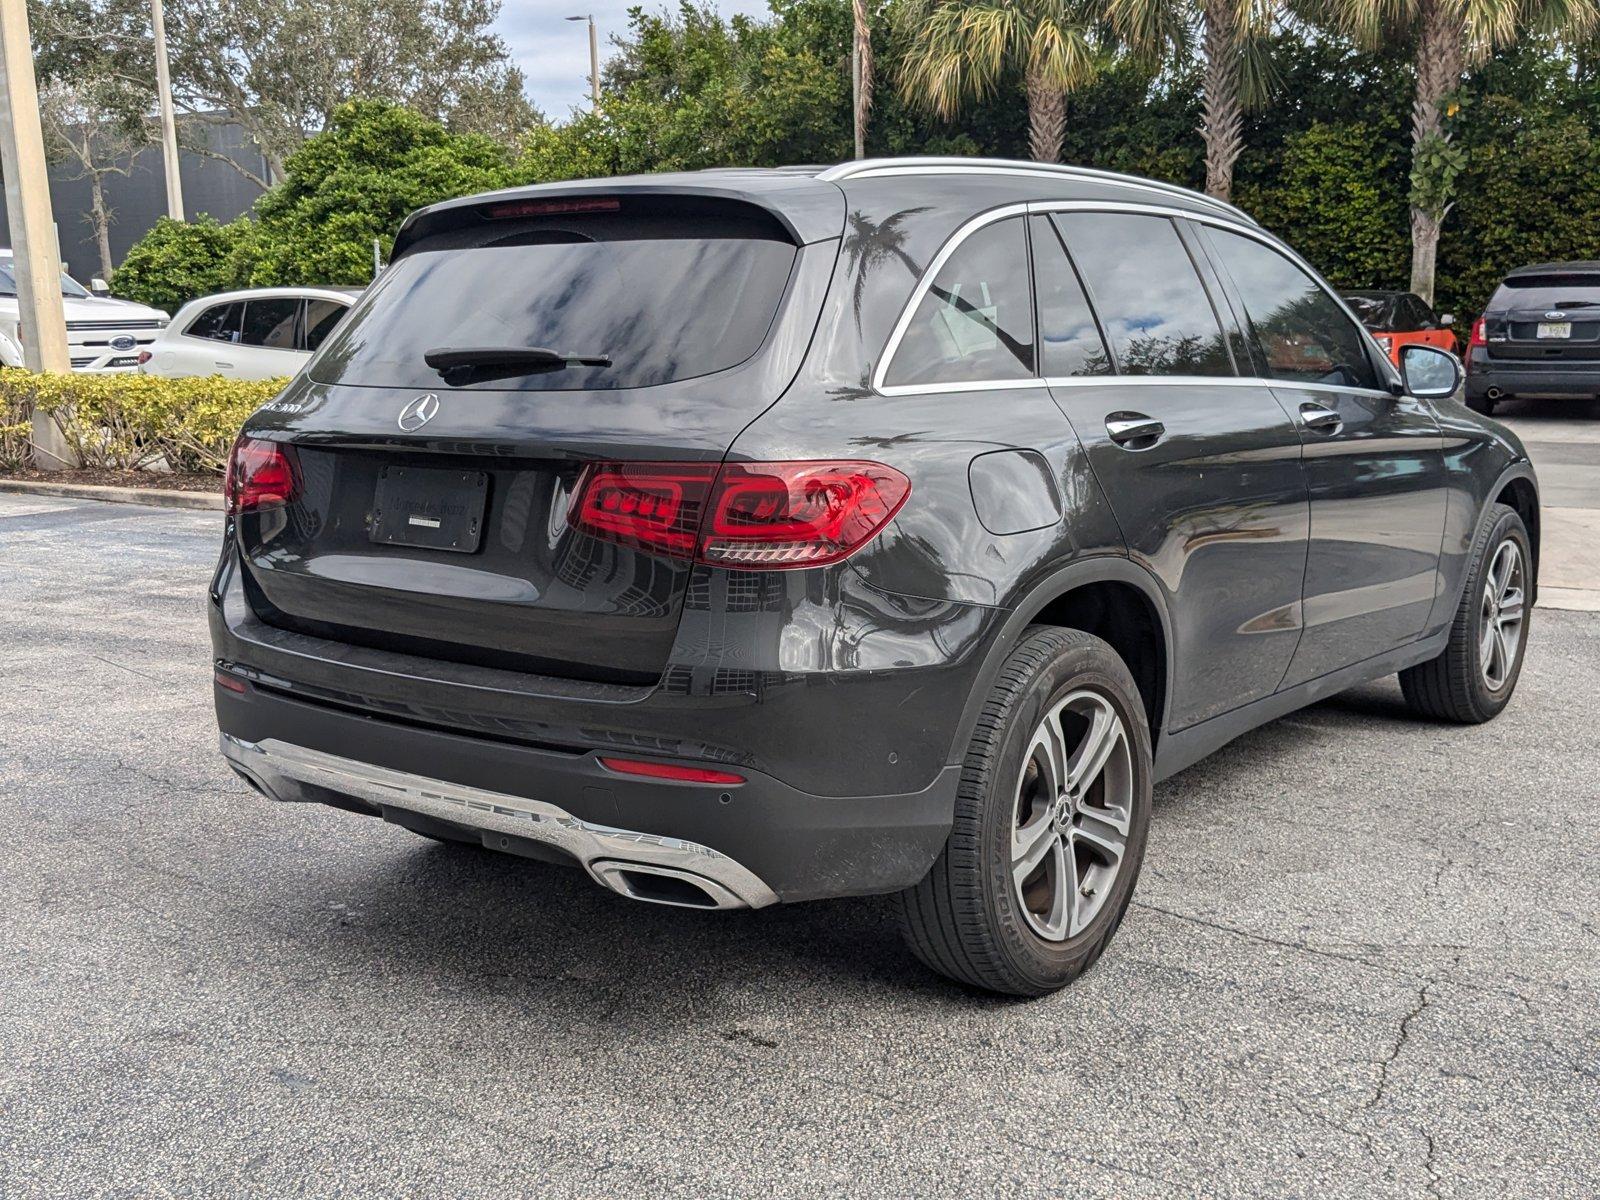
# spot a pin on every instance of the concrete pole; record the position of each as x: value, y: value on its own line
x: 169, y: 123
x: 36, y: 257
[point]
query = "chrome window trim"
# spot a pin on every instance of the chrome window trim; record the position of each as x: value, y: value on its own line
x: 880, y: 370
x: 877, y: 168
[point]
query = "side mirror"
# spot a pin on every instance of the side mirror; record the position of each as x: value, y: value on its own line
x: 99, y: 286
x: 1447, y: 319
x: 1429, y: 372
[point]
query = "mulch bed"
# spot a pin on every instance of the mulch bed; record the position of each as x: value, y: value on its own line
x: 166, y: 481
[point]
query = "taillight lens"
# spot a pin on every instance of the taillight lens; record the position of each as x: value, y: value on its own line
x: 798, y: 514
x: 144, y: 357
x: 754, y: 516
x: 1477, y: 338
x: 654, y: 506
x: 260, y: 474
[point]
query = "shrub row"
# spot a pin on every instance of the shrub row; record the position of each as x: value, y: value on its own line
x: 130, y: 422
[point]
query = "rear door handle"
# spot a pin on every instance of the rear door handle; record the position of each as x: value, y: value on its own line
x: 1320, y: 418
x: 1126, y: 428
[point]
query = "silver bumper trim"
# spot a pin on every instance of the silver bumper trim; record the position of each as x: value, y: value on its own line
x: 605, y: 852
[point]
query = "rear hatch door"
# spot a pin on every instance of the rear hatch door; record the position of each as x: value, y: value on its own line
x: 438, y: 455
x: 1545, y: 317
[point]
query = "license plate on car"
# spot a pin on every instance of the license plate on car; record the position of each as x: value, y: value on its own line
x: 1554, y: 329
x: 429, y: 508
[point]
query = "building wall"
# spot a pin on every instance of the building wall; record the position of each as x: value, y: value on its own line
x: 137, y: 199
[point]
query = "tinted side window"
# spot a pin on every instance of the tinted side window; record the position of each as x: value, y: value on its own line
x: 320, y: 318
x: 976, y: 321
x: 270, y: 323
x: 1151, y: 304
x: 220, y: 323
x: 1069, y: 339
x: 1301, y: 334
x: 1422, y: 317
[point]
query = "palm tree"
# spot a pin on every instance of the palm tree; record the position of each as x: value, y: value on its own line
x: 1235, y: 68
x: 863, y: 52
x: 1449, y: 35
x: 959, y: 49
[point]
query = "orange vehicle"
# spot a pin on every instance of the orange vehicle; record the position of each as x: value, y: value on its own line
x: 1399, y: 319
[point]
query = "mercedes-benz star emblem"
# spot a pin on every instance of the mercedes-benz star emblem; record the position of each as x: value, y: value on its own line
x: 419, y: 412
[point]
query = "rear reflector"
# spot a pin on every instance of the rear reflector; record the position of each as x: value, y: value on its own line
x: 754, y: 516
x: 224, y: 680
x: 660, y: 770
x: 260, y: 474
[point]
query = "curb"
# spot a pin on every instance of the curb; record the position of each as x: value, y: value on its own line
x: 156, y: 497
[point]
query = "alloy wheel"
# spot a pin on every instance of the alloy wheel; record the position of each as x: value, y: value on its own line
x: 1074, y: 808
x: 1500, y: 639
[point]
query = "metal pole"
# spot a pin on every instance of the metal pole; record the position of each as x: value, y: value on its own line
x: 169, y: 124
x: 855, y: 98
x: 594, y: 63
x: 36, y: 259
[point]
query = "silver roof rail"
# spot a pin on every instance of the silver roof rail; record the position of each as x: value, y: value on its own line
x: 928, y: 166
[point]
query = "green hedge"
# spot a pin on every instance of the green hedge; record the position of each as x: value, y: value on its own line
x: 131, y: 422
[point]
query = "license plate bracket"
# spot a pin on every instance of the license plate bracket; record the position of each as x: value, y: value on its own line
x: 429, y: 508
x: 1553, y: 329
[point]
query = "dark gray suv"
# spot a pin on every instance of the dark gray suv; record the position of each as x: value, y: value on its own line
x: 757, y: 536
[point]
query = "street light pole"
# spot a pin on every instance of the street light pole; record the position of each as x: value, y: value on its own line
x: 36, y: 258
x: 594, y: 59
x: 169, y: 124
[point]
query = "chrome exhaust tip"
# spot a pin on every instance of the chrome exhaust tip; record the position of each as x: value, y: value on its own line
x: 663, y: 885
x: 1495, y: 393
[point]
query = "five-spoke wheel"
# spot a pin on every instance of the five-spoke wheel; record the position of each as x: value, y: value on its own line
x: 1050, y: 822
x: 1074, y: 806
x: 1503, y: 598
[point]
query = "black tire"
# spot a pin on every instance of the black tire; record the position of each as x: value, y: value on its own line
x: 965, y: 919
x: 1480, y: 404
x: 1453, y: 686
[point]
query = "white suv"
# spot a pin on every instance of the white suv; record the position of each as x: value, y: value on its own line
x: 103, y: 335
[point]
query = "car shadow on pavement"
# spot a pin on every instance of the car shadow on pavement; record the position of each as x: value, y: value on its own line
x: 486, y: 921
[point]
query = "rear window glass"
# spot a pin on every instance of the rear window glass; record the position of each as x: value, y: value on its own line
x: 1548, y: 291
x: 664, y: 295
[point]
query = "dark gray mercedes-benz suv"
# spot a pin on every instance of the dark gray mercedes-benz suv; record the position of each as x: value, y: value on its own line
x: 756, y: 536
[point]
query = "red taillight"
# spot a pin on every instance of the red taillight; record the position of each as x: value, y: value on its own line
x: 1477, y: 338
x: 144, y: 357
x: 755, y: 516
x: 260, y: 475
x: 232, y: 683
x: 654, y: 506
x: 661, y: 770
x: 799, y: 514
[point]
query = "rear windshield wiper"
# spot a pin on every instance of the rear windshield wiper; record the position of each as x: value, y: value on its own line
x: 500, y: 358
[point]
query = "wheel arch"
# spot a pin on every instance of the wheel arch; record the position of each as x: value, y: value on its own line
x: 1108, y: 596
x: 1518, y: 490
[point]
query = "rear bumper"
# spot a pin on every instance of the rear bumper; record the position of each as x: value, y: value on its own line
x: 1575, y: 379
x: 748, y: 845
x: 612, y: 856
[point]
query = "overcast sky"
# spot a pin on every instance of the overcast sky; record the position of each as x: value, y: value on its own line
x: 554, y: 54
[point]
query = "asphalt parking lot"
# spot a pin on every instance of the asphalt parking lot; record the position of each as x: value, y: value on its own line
x: 1363, y: 960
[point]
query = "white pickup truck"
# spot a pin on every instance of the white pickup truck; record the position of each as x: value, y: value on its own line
x: 102, y: 334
